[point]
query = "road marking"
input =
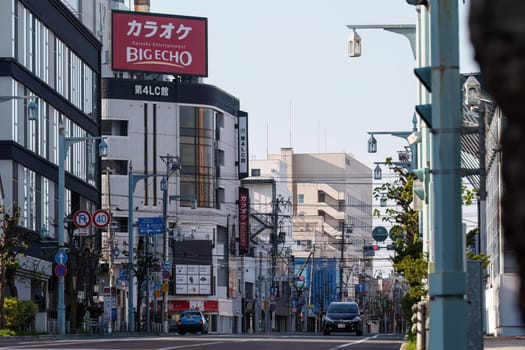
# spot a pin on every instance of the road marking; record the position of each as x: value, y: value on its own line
x: 354, y: 343
x: 192, y: 345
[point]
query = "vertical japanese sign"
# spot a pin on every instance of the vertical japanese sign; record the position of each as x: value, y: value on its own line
x: 244, y: 220
x: 157, y: 43
x: 243, y: 144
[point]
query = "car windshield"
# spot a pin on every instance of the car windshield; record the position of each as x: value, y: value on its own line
x: 343, y: 308
x: 191, y: 314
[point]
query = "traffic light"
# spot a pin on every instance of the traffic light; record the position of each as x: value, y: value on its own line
x: 420, y: 184
x: 424, y: 74
x: 370, y: 249
x: 418, y: 2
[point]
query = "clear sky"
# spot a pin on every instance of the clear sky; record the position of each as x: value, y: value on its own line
x: 287, y: 63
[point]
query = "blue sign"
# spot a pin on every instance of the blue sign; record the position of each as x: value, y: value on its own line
x: 360, y: 288
x: 61, y: 257
x: 151, y: 226
x: 123, y: 274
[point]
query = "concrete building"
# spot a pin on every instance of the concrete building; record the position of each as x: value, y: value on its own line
x: 502, y: 316
x: 271, y: 254
x: 49, y: 57
x: 330, y: 220
x: 184, y: 142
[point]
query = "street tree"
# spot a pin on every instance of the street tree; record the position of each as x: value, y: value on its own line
x: 408, y: 260
x: 11, y: 244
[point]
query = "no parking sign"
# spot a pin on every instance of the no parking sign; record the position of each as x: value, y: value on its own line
x: 82, y: 218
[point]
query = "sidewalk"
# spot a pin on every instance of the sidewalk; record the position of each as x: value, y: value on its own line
x: 505, y: 343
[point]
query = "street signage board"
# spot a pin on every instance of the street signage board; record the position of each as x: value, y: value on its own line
x: 82, y: 218
x: 122, y: 274
x: 379, y: 233
x: 61, y: 257
x: 101, y: 218
x: 151, y: 225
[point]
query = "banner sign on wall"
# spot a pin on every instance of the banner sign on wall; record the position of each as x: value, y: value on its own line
x: 158, y: 43
x: 244, y: 215
x: 243, y: 144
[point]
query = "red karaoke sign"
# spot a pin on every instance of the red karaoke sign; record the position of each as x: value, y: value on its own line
x: 244, y: 220
x: 157, y: 43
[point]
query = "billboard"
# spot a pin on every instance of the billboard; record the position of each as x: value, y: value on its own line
x: 158, y: 43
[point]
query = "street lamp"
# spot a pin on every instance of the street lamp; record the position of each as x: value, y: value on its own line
x: 378, y: 173
x: 407, y: 30
x: 32, y: 105
x: 172, y: 165
x: 63, y: 148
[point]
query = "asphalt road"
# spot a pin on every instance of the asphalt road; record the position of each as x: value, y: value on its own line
x: 211, y: 342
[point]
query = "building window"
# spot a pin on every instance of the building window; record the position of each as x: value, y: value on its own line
x: 320, y: 196
x: 198, y: 181
x: 118, y: 167
x: 256, y: 172
x: 300, y: 198
x: 220, y: 157
x: 114, y: 127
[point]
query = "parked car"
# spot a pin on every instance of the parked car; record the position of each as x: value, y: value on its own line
x: 192, y: 321
x: 343, y: 317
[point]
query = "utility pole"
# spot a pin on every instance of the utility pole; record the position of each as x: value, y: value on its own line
x: 273, y: 240
x: 342, y: 262
x: 447, y: 283
x: 172, y: 165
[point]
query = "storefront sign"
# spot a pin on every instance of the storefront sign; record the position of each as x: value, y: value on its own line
x: 243, y: 144
x: 244, y: 215
x: 158, y: 43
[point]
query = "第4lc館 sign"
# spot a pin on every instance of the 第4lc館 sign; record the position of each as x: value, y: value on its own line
x: 158, y: 43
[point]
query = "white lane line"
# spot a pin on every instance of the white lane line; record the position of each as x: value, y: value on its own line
x: 354, y: 343
x: 191, y: 345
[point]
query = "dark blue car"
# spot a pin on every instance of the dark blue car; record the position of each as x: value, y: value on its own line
x: 343, y: 317
x: 192, y: 321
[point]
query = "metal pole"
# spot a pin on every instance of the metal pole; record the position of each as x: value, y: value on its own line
x: 131, y: 187
x: 147, y: 255
x: 165, y: 250
x: 275, y: 220
x: 111, y: 245
x: 447, y: 283
x: 61, y: 308
x: 342, y: 263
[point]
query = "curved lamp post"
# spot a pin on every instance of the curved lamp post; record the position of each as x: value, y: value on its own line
x: 63, y: 148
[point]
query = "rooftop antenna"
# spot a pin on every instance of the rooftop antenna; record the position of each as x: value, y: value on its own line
x: 318, y: 139
x: 290, y: 123
x: 266, y: 139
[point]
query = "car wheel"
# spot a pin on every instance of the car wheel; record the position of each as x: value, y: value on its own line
x: 359, y: 332
x: 325, y: 332
x: 182, y: 332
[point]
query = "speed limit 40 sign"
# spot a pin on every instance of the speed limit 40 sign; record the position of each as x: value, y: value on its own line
x: 101, y: 218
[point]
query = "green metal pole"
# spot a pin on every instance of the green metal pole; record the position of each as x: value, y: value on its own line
x: 447, y: 281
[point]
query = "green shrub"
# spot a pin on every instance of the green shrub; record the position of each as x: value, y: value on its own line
x: 19, y: 314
